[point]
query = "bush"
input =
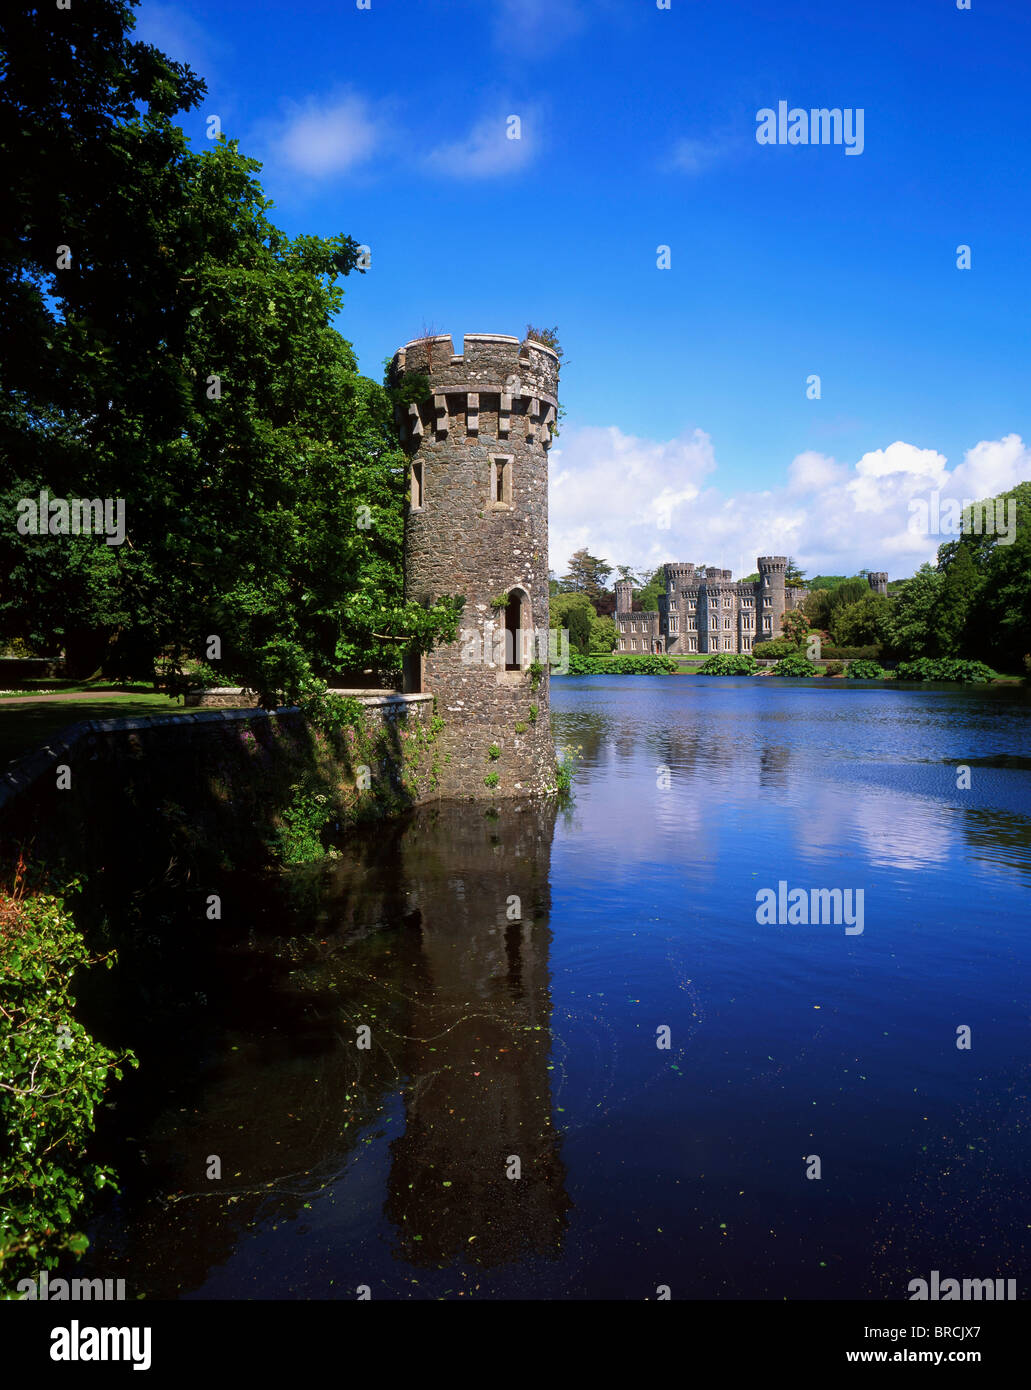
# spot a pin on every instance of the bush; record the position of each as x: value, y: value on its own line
x: 949, y: 668
x: 491, y: 780
x: 564, y: 770
x: 728, y: 666
x: 780, y: 646
x: 865, y: 671
x: 648, y: 664
x: 796, y: 665
x: 300, y: 839
x: 870, y: 653
x: 55, y: 1075
x: 834, y: 668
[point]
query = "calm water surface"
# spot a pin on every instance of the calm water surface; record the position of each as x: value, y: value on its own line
x: 496, y: 1041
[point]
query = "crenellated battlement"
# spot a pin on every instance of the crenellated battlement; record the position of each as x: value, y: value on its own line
x: 494, y: 363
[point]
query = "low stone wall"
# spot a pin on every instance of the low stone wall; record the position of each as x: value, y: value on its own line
x: 214, y: 776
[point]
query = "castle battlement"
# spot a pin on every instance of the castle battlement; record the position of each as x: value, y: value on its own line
x: 492, y: 363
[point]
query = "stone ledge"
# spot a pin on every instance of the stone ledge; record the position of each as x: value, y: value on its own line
x: 27, y: 769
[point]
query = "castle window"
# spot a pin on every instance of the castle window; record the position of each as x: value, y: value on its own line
x: 727, y: 601
x: 767, y: 624
x: 673, y: 624
x: 417, y: 495
x: 726, y: 622
x: 746, y: 644
x: 500, y: 493
x: 692, y: 645
x: 518, y: 626
x: 767, y: 602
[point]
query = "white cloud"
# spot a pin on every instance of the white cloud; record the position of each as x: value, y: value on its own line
x: 641, y: 502
x: 488, y: 150
x: 694, y: 155
x: 991, y: 467
x: 324, y: 137
x: 811, y: 471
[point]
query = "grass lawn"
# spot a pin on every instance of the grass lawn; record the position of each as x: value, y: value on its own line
x: 24, y: 726
x: 59, y: 686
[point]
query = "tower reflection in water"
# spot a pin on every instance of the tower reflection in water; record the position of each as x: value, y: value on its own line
x: 477, y: 1172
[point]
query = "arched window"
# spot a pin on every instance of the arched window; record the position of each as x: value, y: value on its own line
x: 518, y: 630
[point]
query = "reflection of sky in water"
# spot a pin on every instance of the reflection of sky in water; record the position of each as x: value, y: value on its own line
x: 821, y: 772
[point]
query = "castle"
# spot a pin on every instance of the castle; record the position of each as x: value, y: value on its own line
x: 705, y: 610
x: 476, y: 523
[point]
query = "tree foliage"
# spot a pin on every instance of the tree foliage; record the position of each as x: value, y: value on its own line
x: 185, y: 363
x: 865, y: 622
x: 587, y: 574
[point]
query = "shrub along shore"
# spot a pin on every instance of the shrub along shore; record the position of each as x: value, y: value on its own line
x: 795, y: 665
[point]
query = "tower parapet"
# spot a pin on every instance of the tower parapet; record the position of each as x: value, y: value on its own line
x: 878, y: 581
x: 476, y: 524
x: 771, y: 598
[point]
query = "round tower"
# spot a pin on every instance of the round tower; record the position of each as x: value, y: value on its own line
x: 770, y: 596
x: 476, y: 524
x: 878, y: 580
x: 624, y: 595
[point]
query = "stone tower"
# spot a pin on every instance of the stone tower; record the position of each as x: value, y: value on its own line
x: 624, y: 595
x: 770, y: 596
x: 878, y: 580
x: 477, y: 524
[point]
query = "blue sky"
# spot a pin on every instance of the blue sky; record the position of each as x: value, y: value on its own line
x: 688, y: 432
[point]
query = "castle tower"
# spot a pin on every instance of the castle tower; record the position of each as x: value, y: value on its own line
x: 624, y: 595
x: 477, y: 524
x: 770, y: 597
x: 878, y: 580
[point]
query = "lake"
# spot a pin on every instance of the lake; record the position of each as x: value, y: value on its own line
x: 512, y: 1128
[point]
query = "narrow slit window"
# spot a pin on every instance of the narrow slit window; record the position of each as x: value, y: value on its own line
x: 500, y: 481
x: 417, y: 483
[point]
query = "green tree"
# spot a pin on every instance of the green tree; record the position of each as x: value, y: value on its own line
x: 848, y: 591
x: 864, y: 622
x: 579, y: 621
x: 957, y: 599
x: 817, y: 607
x: 911, y: 628
x: 647, y: 597
x: 1001, y: 632
x: 587, y: 574
x: 193, y: 371
x: 795, y: 625
x: 793, y: 576
x: 563, y: 604
x: 604, y: 636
